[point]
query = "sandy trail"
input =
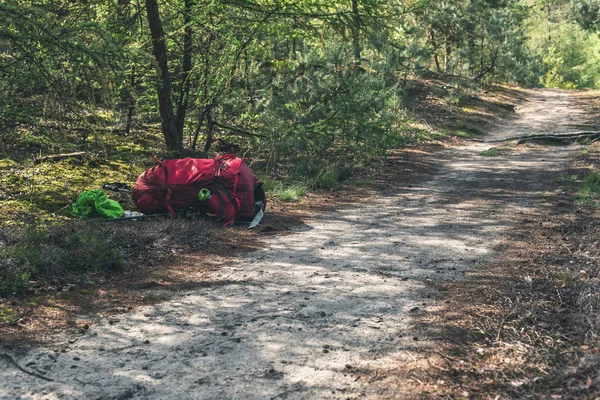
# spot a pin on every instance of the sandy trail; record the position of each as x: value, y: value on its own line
x: 324, y: 312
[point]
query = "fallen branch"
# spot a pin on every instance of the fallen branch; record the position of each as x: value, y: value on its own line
x: 238, y: 130
x: 26, y: 370
x: 561, y: 139
x: 60, y: 209
x: 57, y: 157
x: 558, y: 137
x: 16, y: 320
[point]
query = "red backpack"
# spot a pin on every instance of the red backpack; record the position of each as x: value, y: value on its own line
x: 235, y: 192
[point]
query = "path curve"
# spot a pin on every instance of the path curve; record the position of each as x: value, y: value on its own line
x: 324, y: 312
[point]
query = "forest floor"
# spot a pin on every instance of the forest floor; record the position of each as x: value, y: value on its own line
x: 462, y: 271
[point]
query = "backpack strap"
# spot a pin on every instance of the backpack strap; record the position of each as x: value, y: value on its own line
x: 259, y: 215
x: 233, y: 201
x: 168, y: 196
x: 167, y: 199
x: 235, y: 183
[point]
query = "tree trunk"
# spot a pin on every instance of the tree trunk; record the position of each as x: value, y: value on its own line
x: 447, y: 54
x: 186, y: 68
x: 436, y: 60
x: 356, y: 31
x: 130, y: 101
x: 173, y: 140
x: 209, y: 129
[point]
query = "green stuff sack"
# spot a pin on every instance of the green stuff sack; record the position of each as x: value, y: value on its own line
x: 95, y: 202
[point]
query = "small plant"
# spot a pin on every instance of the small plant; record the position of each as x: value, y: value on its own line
x: 292, y: 193
x: 587, y: 196
x: 492, y: 152
x: 363, y: 182
x: 461, y: 134
x: 6, y: 313
x: 584, y: 200
x: 278, y: 190
x: 584, y: 150
x: 593, y: 180
x: 329, y: 177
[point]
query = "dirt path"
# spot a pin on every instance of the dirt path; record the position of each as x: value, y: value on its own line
x: 325, y: 312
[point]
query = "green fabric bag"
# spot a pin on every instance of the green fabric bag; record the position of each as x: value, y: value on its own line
x: 95, y: 202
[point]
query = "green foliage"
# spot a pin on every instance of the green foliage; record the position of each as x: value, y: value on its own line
x: 461, y: 134
x: 593, y: 179
x: 491, y: 152
x: 569, y: 54
x: 280, y: 191
x: 297, y: 84
x: 588, y: 195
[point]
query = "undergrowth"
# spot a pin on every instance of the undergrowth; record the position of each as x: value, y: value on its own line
x: 588, y: 195
x: 74, y: 252
x: 493, y: 152
x: 279, y: 190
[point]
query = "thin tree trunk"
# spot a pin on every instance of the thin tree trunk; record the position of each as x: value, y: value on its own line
x: 490, y: 68
x: 447, y: 53
x: 209, y: 129
x: 131, y: 101
x: 186, y: 68
x: 173, y: 140
x: 356, y: 31
x: 198, y: 127
x: 436, y: 60
x: 482, y: 48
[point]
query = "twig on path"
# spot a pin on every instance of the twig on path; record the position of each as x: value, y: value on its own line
x: 57, y: 157
x: 16, y: 320
x: 26, y: 370
x: 499, y: 331
x: 59, y: 210
x: 374, y: 377
x: 295, y: 388
x: 417, y: 380
x: 445, y: 356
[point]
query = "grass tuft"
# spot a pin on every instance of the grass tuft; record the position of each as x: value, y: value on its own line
x: 461, y: 134
x: 588, y: 195
x: 280, y: 191
x: 492, y: 152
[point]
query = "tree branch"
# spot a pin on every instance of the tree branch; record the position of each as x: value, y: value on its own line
x: 239, y: 130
